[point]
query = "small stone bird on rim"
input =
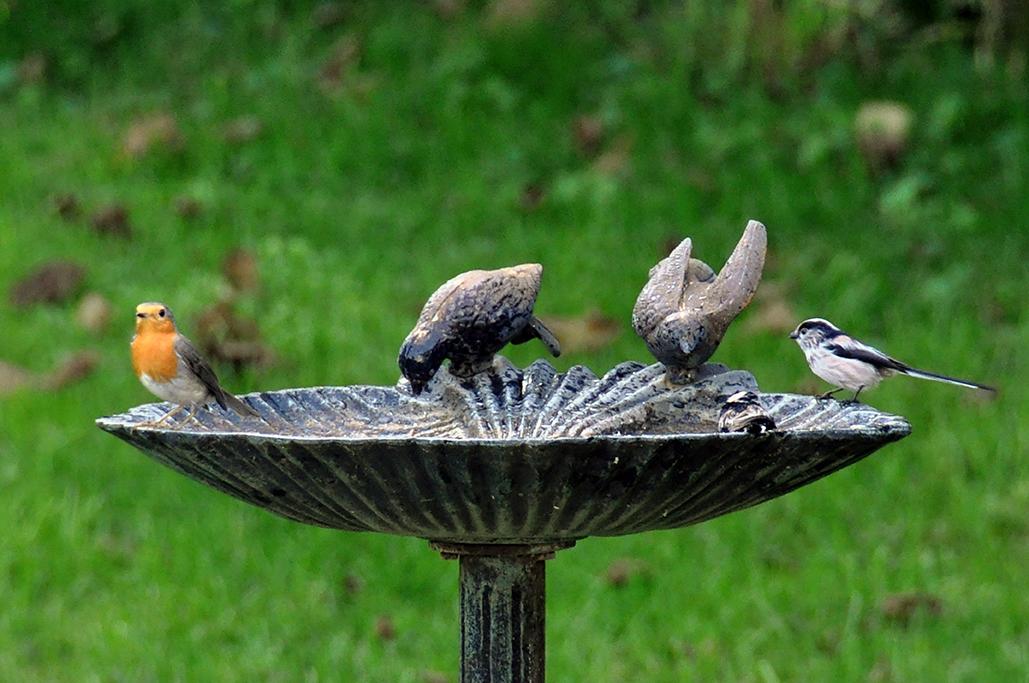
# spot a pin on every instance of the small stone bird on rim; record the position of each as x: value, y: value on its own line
x: 743, y: 412
x: 846, y: 363
x: 168, y: 364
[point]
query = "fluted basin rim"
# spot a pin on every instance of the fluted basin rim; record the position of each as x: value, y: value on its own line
x: 131, y: 420
x: 504, y: 458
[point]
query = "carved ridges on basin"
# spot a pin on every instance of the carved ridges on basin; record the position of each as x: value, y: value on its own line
x: 509, y: 403
x: 376, y: 459
x: 505, y: 491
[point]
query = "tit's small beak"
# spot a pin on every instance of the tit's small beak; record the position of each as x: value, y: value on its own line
x: 793, y: 335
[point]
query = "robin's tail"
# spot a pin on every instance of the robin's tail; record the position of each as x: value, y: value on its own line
x: 239, y: 407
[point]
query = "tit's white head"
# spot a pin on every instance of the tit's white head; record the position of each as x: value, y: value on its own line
x: 813, y: 332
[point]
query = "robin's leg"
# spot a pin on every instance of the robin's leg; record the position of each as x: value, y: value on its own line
x: 829, y: 394
x: 174, y: 411
x: 193, y: 413
x: 856, y: 394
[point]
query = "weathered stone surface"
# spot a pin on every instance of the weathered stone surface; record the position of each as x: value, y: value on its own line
x: 470, y: 318
x: 510, y: 455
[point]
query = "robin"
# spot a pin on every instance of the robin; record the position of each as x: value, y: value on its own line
x: 172, y: 369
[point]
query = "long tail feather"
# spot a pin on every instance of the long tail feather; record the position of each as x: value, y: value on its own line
x: 922, y: 374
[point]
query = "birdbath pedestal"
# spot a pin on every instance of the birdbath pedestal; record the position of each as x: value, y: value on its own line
x: 503, y: 609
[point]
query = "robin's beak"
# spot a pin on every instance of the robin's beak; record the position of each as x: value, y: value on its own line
x: 141, y: 315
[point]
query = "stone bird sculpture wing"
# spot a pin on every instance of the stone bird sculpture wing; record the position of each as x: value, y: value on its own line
x: 684, y: 309
x: 471, y: 317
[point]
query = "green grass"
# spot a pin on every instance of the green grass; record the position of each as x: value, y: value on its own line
x: 359, y: 203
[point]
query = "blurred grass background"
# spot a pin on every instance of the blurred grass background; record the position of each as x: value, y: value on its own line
x: 355, y: 155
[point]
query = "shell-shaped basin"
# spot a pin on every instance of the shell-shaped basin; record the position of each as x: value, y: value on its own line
x: 511, y: 455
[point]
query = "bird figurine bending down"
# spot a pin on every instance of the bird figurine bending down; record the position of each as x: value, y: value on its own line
x: 471, y: 317
x: 743, y: 412
x: 685, y: 308
x: 172, y: 369
x: 846, y: 363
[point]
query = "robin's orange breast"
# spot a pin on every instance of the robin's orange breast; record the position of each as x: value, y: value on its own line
x: 153, y: 354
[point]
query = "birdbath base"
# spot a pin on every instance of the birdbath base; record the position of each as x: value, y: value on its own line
x: 503, y: 609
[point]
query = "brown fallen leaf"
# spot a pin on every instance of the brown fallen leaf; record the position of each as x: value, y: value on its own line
x: 881, y: 672
x: 187, y: 207
x: 588, y: 134
x: 73, y: 369
x: 622, y: 570
x: 119, y: 547
x: 226, y: 336
x: 615, y: 159
x: 13, y: 379
x: 532, y: 196
x: 352, y: 584
x: 503, y: 14
x: 49, y: 283
x: 771, y: 312
x: 328, y: 14
x: 882, y: 130
x: 448, y: 9
x: 979, y: 398
x: 221, y: 321
x: 94, y: 313
x: 157, y: 131
x: 67, y: 206
x: 700, y: 179
x: 902, y: 607
x: 244, y: 353
x: 385, y: 629
x: 242, y: 129
x: 343, y: 58
x: 33, y: 68
x: 775, y: 556
x: 586, y: 333
x: 684, y: 649
x: 240, y: 268
x: 107, y: 29
x: 112, y: 219
x: 828, y: 642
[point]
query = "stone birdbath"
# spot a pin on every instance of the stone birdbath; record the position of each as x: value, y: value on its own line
x: 500, y: 467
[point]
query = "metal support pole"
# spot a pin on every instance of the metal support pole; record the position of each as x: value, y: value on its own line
x: 503, y: 610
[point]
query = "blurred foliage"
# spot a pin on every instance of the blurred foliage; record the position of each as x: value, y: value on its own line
x: 357, y: 154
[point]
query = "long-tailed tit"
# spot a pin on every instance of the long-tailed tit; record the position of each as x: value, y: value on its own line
x: 846, y: 363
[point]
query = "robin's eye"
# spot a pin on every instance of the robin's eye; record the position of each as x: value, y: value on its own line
x: 161, y: 313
